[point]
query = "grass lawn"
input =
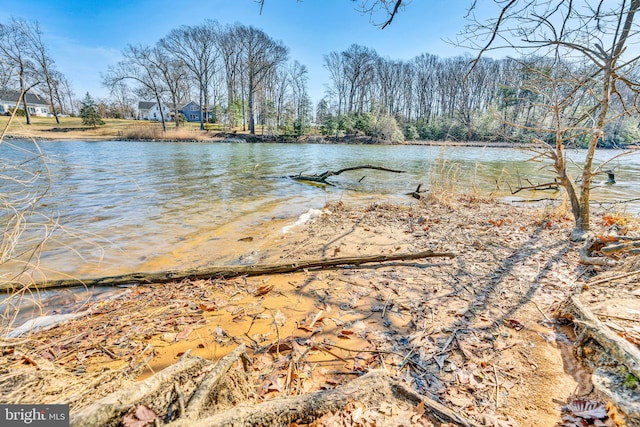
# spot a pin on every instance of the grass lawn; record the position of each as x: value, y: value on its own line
x: 72, y: 128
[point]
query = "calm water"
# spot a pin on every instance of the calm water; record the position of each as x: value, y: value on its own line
x: 140, y: 206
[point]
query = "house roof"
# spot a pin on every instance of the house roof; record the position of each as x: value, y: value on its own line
x: 145, y: 105
x: 11, y: 96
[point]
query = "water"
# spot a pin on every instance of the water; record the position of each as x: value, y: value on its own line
x: 141, y: 206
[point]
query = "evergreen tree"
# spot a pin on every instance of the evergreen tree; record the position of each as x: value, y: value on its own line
x: 89, y: 113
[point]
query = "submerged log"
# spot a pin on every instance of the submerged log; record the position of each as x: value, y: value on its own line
x: 538, y: 187
x: 322, y: 178
x: 417, y: 194
x: 222, y: 272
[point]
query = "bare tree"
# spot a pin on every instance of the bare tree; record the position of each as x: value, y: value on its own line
x: 261, y: 55
x: 45, y: 65
x: 593, y: 35
x: 196, y: 48
x: 122, y: 100
x: 140, y: 64
x: 6, y: 75
x: 334, y: 63
x: 14, y: 48
x: 230, y: 48
x: 174, y: 75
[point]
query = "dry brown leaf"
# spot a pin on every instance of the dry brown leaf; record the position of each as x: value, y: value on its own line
x: 205, y: 307
x: 142, y: 417
x: 264, y: 289
x: 309, y: 324
x: 585, y: 408
x: 345, y: 334
x: 514, y: 324
x: 184, y: 334
x: 280, y: 346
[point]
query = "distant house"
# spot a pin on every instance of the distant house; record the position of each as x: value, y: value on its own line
x: 191, y: 111
x: 151, y: 111
x: 36, y: 105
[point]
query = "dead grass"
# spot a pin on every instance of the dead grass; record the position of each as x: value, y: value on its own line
x: 183, y: 133
x: 46, y: 128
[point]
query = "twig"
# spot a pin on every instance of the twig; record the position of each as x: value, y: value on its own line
x: 363, y: 350
x: 617, y: 317
x: 321, y: 348
x: 542, y: 312
x: 495, y: 373
x: 612, y: 278
x: 446, y: 345
x: 109, y: 352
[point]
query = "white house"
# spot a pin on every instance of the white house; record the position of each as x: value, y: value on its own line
x: 36, y: 105
x: 151, y: 111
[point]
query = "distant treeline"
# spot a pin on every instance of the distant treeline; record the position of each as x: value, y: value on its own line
x: 447, y: 99
x: 242, y: 78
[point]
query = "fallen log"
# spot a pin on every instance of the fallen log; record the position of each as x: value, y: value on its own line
x: 608, y: 375
x: 154, y: 392
x: 370, y: 389
x: 592, y: 328
x: 222, y: 272
x: 206, y: 387
x: 322, y: 178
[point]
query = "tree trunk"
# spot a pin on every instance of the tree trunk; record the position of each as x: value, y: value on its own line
x: 252, y: 124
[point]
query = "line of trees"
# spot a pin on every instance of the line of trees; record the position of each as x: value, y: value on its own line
x: 238, y: 74
x: 436, y: 98
x: 27, y: 66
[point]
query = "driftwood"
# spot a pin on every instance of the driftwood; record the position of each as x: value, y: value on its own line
x: 370, y: 389
x: 224, y: 272
x: 603, y: 378
x: 195, y: 393
x: 322, y: 178
x: 630, y: 247
x: 538, y: 187
x: 417, y: 194
x: 151, y: 392
x: 222, y: 387
x: 591, y: 245
x: 592, y: 328
x: 191, y: 379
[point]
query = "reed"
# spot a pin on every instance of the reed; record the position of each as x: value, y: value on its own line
x: 25, y: 181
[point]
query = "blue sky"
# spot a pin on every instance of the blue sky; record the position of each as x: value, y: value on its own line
x: 86, y: 36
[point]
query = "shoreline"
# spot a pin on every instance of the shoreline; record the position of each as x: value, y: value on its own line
x: 311, y: 139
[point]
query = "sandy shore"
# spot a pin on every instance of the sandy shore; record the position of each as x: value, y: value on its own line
x: 476, y: 331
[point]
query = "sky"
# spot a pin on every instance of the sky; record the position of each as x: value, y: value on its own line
x: 85, y: 37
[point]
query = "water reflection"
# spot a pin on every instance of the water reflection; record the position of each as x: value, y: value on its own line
x: 132, y: 206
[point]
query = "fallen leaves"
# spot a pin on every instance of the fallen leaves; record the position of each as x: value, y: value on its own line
x: 313, y: 322
x: 142, y: 416
x: 584, y: 413
x: 514, y: 324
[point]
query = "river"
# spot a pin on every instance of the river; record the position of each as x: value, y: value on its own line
x: 147, y: 206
